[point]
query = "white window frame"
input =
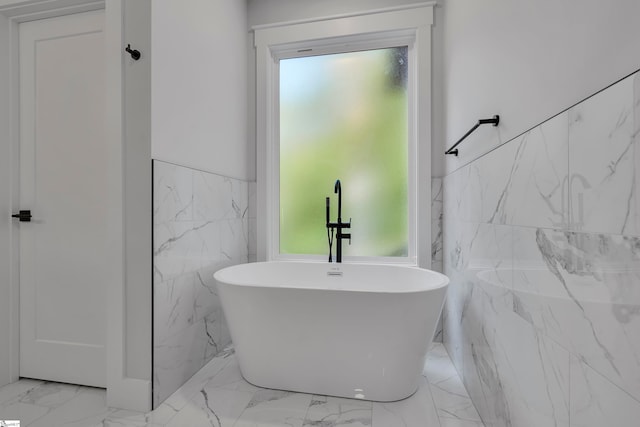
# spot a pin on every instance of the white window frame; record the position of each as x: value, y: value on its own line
x: 402, y: 26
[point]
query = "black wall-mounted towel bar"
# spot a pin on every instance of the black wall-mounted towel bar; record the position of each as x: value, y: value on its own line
x: 494, y: 121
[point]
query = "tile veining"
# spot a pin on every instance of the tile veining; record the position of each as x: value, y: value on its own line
x: 218, y: 396
x: 545, y: 269
x: 336, y: 412
x: 200, y: 226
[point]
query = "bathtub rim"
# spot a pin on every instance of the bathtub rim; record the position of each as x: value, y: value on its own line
x: 441, y: 282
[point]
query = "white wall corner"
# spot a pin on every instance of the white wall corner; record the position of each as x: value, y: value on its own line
x: 122, y: 392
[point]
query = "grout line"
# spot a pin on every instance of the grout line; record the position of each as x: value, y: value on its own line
x: 433, y: 402
x: 462, y: 382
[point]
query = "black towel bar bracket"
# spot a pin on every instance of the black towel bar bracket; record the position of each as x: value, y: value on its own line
x: 494, y: 121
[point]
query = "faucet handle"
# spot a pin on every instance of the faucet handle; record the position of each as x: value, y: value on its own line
x: 347, y: 235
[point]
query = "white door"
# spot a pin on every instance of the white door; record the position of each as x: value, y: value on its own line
x: 63, y: 181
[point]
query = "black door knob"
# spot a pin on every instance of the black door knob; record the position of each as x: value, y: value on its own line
x: 23, y: 216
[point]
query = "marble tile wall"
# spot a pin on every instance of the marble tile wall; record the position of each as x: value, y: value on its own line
x: 542, y: 246
x: 253, y: 243
x: 200, y: 224
x: 436, y: 237
x: 436, y: 224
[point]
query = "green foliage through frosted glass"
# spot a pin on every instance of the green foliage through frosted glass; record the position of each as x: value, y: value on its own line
x: 345, y: 116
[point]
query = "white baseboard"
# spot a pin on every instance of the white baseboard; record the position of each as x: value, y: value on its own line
x: 130, y: 393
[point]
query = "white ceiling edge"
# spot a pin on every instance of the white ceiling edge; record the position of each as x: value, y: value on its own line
x: 29, y: 10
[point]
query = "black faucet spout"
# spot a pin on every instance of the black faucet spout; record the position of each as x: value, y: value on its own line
x: 337, y: 226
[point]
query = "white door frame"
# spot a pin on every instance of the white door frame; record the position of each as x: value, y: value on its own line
x: 122, y: 391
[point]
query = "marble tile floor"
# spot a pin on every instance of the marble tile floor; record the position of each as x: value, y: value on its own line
x: 217, y: 396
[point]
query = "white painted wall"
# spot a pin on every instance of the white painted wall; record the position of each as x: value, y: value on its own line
x: 137, y: 190
x: 5, y: 207
x: 272, y: 11
x: 528, y: 60
x: 199, y: 85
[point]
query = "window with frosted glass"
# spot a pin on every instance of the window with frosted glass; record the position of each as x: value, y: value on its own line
x: 345, y: 116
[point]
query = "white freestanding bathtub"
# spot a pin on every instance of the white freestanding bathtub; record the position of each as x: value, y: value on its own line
x: 351, y: 330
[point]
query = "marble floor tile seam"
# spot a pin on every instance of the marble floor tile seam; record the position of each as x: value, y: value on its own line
x: 434, y: 404
x: 266, y: 390
x: 248, y: 403
x: 465, y: 401
x: 454, y: 365
x: 478, y: 422
x: 201, y: 377
x: 333, y: 417
x: 455, y: 377
x: 165, y: 420
x: 306, y: 419
x: 119, y: 421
